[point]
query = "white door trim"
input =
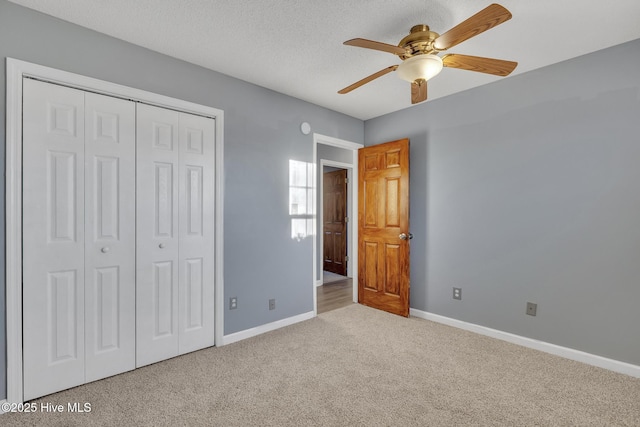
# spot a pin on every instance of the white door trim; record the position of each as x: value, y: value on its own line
x: 352, y: 228
x: 16, y: 70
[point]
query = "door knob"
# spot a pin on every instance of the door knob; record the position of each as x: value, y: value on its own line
x: 404, y: 236
x: 105, y: 249
x: 161, y: 245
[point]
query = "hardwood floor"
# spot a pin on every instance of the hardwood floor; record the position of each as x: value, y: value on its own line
x: 334, y: 295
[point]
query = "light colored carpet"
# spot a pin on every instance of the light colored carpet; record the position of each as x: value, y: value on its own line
x: 356, y: 366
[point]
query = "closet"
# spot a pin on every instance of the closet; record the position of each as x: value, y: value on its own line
x: 118, y: 235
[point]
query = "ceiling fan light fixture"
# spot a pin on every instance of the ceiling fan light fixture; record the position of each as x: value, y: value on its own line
x: 419, y: 67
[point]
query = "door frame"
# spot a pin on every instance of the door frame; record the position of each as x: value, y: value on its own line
x: 352, y: 227
x: 16, y: 70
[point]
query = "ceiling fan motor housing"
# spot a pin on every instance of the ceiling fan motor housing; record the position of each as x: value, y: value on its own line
x: 419, y: 41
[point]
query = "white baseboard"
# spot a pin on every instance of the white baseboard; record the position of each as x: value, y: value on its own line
x: 567, y: 353
x: 318, y: 283
x: 252, y: 332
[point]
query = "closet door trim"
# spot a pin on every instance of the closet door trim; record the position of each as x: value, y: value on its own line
x: 16, y: 71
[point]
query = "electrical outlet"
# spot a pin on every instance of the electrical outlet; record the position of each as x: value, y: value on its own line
x: 457, y: 293
x: 233, y: 303
x: 272, y: 304
x: 532, y: 308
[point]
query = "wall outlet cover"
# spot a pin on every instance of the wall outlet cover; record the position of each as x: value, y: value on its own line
x: 457, y: 293
x: 532, y: 308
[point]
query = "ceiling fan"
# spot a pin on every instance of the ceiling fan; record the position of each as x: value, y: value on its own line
x: 419, y: 49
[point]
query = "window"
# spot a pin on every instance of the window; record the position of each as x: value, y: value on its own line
x: 301, y: 198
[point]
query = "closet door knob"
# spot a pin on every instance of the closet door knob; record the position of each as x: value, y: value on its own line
x: 161, y: 245
x: 105, y: 249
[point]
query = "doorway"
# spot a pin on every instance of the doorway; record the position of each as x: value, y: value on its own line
x: 334, y: 223
x: 336, y: 290
x: 334, y: 287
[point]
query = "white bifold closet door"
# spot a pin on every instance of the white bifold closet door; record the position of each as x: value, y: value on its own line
x: 175, y: 240
x: 78, y: 237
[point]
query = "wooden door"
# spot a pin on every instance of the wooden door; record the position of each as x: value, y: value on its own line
x: 334, y: 214
x: 383, y: 227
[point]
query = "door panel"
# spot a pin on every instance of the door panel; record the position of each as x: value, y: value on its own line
x: 107, y: 286
x: 175, y: 291
x: 164, y: 209
x: 383, y: 214
x: 334, y: 190
x: 163, y: 300
x: 53, y: 238
x: 157, y: 240
x: 392, y: 208
x: 194, y: 196
x: 61, y: 192
x: 196, y: 232
x: 109, y: 235
x: 370, y: 265
x: 106, y: 188
x: 392, y: 262
x: 63, y: 310
x: 370, y: 203
x: 194, y: 309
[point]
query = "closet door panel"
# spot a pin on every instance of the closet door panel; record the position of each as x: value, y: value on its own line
x: 109, y: 236
x: 53, y: 238
x: 157, y: 235
x: 196, y: 183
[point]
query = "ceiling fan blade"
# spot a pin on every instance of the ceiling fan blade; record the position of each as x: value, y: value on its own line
x: 418, y: 91
x: 482, y: 21
x: 370, y: 44
x: 367, y: 79
x: 498, y: 67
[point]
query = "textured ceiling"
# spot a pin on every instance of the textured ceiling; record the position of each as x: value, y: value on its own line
x: 295, y: 46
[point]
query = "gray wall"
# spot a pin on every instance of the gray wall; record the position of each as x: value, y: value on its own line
x: 528, y: 189
x: 261, y: 134
x: 337, y: 154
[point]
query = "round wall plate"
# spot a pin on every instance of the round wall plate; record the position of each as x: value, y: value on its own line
x: 305, y: 128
